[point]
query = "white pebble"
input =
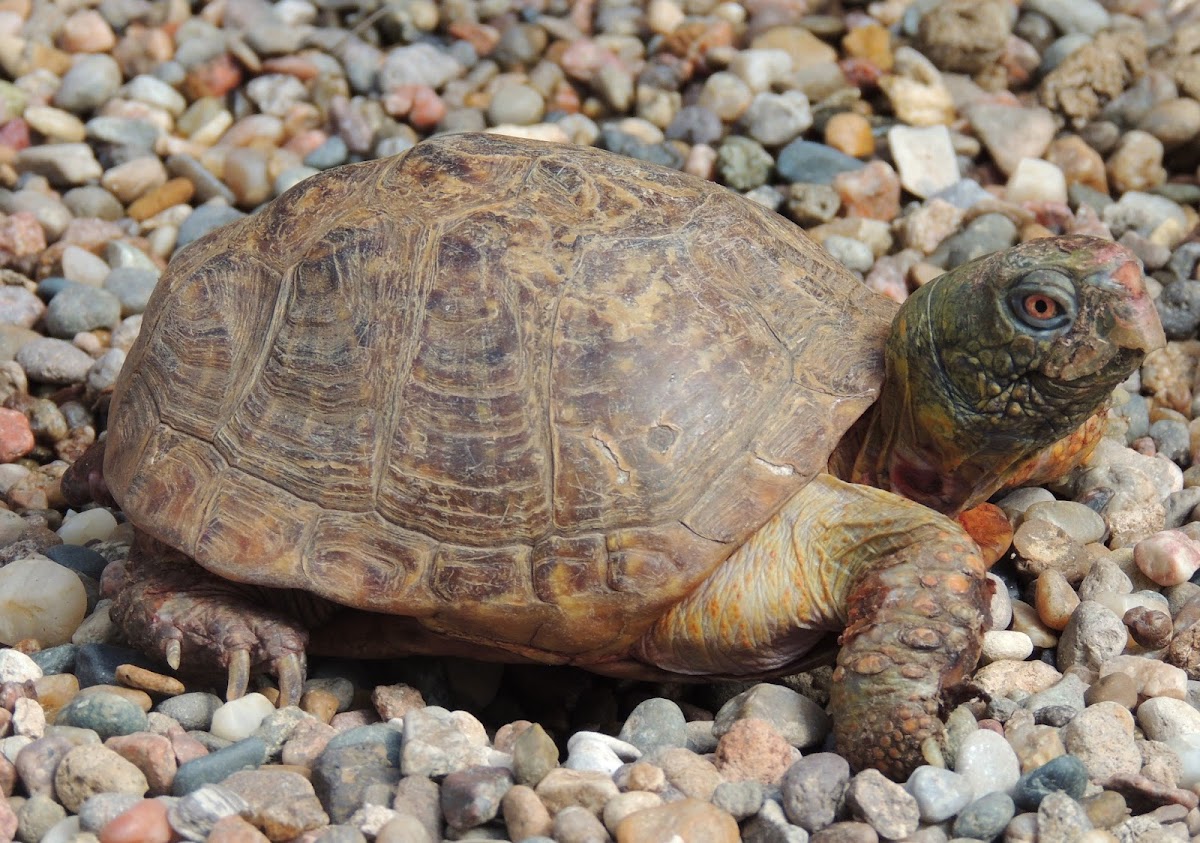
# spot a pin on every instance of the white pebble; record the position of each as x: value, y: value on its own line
x: 924, y: 157
x: 626, y: 751
x: 1001, y: 603
x: 80, y: 265
x: 1187, y: 747
x: 1003, y: 644
x: 1168, y: 557
x: 11, y: 747
x: 40, y: 599
x: 1166, y: 718
x: 83, y: 527
x: 15, y: 666
x: 592, y: 755
x: 239, y: 718
x: 1035, y: 180
x: 987, y: 760
x: 29, y: 718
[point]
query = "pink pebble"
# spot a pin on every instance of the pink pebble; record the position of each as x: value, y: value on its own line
x: 145, y: 822
x: 1168, y: 557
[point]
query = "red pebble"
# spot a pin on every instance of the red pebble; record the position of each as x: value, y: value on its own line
x: 16, y: 438
x: 145, y: 822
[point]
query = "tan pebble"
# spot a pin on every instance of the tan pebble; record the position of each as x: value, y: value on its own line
x: 646, y: 776
x: 147, y: 680
x: 404, y: 828
x: 921, y: 273
x: 687, y: 819
x: 395, y: 700
x: 1055, y: 599
x: 154, y: 755
x: 850, y: 133
x: 139, y: 698
x: 234, y: 829
x: 562, y: 787
x: 1079, y: 162
x: 55, y: 691
x: 872, y: 192
x: 621, y: 806
x: 524, y: 814
x: 872, y: 42
x: 1115, y: 687
x: 186, y: 747
x: 1034, y: 231
x: 701, y: 161
x: 576, y: 824
x: 1025, y: 619
x: 1151, y: 677
x: 145, y: 822
x: 1036, y: 745
x: 86, y: 31
x: 351, y: 719
x: 175, y: 191
x: 1137, y: 163
x: 272, y: 694
x: 320, y: 704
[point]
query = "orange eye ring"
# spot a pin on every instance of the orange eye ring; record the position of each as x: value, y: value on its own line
x: 1041, y: 307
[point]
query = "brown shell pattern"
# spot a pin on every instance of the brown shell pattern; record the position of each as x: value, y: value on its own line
x: 521, y: 392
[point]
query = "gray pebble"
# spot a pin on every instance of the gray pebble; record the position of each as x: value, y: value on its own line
x: 194, y: 815
x: 1172, y: 440
x: 1066, y: 773
x: 515, y: 104
x: 356, y: 764
x: 418, y: 64
x: 885, y: 805
x: 329, y: 154
x: 800, y: 721
x: 131, y: 287
x: 246, y: 754
x: 772, y: 826
x: 1061, y: 819
x: 853, y: 254
x: 986, y: 817
x: 1082, y: 523
x: 814, y: 163
x: 814, y: 789
x: 1093, y: 635
x: 37, y: 816
x: 655, y: 723
x: 104, y: 713
x: 20, y: 307
x: 1071, y: 16
x: 985, y: 234
x: 742, y: 163
x: 774, y: 119
x: 695, y: 124
x: 472, y: 797
x: 91, y: 200
x: 204, y: 219
x: 207, y: 185
x: 64, y: 164
x: 92, y: 81
x: 1179, y: 309
x: 940, y: 793
x: 49, y: 360
x: 80, y: 307
x: 122, y: 131
x: 739, y: 799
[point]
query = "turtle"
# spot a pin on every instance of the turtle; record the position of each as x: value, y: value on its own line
x: 542, y: 403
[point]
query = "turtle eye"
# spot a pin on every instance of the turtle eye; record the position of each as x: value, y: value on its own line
x: 1043, y: 301
x: 1040, y: 307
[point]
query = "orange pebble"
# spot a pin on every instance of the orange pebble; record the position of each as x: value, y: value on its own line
x: 990, y: 528
x: 850, y: 133
x: 145, y: 822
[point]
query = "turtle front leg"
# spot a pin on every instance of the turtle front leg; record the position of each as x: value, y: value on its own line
x: 169, y: 606
x: 906, y: 583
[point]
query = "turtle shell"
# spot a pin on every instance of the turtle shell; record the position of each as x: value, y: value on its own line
x: 525, y: 393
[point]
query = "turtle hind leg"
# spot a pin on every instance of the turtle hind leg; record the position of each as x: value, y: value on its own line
x: 169, y: 606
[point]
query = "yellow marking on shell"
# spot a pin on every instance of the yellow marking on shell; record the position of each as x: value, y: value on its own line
x: 913, y: 671
x: 929, y: 580
x: 957, y: 583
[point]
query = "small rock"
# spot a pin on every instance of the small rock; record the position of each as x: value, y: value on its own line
x: 988, y: 762
x: 689, y: 819
x: 814, y: 790
x: 986, y: 817
x: 924, y: 158
x: 800, y: 721
x: 90, y: 769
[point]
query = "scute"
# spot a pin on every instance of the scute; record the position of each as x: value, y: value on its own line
x: 498, y: 386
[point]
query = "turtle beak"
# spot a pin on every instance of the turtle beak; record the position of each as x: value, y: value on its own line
x: 1136, y: 325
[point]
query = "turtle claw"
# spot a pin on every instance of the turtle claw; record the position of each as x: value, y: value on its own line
x: 239, y: 674
x: 290, y: 671
x: 174, y: 653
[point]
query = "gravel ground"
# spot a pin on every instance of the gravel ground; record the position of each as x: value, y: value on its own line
x: 906, y: 136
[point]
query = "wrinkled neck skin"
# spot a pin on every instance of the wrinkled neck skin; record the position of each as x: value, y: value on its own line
x: 969, y: 396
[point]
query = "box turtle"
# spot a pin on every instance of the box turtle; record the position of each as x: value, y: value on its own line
x: 530, y: 402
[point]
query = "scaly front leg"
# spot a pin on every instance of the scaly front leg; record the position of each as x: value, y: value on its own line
x: 905, y: 582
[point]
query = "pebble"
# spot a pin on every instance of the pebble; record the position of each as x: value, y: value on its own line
x: 216, y: 766
x: 689, y: 819
x: 814, y: 790
x: 92, y: 81
x: 813, y: 163
x: 742, y: 163
x: 1034, y: 180
x: 40, y: 600
x: 775, y: 119
x: 360, y: 761
x: 105, y: 714
x: 281, y: 803
x: 239, y: 718
x: 90, y: 769
x: 1101, y: 736
x: 986, y: 817
x: 987, y: 761
x: 53, y: 361
x: 78, y: 308
x: 924, y: 158
x: 940, y: 794
x: 800, y: 721
x: 1065, y: 774
x: 653, y: 723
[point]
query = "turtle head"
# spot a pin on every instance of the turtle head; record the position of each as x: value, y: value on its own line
x: 999, y: 359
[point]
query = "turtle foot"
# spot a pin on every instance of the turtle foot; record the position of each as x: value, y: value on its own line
x: 169, y: 606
